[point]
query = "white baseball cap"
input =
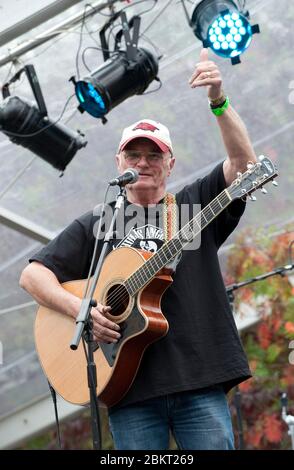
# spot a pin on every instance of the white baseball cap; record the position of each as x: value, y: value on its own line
x: 149, y: 129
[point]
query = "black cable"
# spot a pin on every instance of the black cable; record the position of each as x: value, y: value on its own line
x: 91, y: 34
x: 9, y: 73
x: 148, y: 9
x: 128, y: 6
x: 13, y: 64
x: 93, y: 387
x: 83, y: 56
x: 157, y: 50
x: 157, y: 16
x: 237, y: 402
x: 14, y: 134
x: 117, y: 23
x: 156, y: 89
x: 97, y: 237
x: 80, y: 41
x: 114, y: 26
x: 53, y: 394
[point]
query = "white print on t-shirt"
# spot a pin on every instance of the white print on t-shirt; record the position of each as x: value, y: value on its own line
x: 144, y: 237
x: 148, y: 245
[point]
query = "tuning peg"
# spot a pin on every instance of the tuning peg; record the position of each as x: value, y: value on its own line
x: 249, y: 165
x: 263, y: 190
x: 239, y: 174
x: 252, y: 198
x: 275, y: 183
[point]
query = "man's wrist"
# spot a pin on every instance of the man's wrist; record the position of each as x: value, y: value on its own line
x: 73, y: 306
x: 219, y: 110
x: 215, y: 102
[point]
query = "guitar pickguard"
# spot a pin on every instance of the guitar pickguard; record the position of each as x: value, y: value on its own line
x: 130, y: 327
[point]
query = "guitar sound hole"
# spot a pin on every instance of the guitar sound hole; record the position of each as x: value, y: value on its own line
x: 118, y: 299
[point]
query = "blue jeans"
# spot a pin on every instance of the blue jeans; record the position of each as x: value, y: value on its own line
x: 198, y: 420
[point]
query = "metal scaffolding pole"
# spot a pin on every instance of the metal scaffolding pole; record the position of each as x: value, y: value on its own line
x: 55, y: 31
x: 35, y: 20
x: 25, y: 226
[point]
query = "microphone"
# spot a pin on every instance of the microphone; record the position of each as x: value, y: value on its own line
x: 129, y: 176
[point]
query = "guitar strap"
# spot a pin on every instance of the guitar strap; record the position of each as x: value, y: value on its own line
x: 170, y: 219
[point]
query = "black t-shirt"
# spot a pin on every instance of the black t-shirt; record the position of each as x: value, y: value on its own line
x: 202, y: 347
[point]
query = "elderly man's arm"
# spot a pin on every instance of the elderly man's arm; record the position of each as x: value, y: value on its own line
x: 234, y: 133
x: 42, y: 284
x: 237, y: 143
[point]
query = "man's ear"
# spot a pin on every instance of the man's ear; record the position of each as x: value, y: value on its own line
x: 171, y: 164
x: 118, y: 161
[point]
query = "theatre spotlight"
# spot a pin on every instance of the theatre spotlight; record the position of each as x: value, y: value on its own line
x: 123, y: 74
x: 28, y: 125
x: 223, y: 26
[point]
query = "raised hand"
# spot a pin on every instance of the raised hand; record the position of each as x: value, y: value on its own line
x: 207, y: 74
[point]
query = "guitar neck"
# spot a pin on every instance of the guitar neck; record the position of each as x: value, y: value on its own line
x: 175, y: 245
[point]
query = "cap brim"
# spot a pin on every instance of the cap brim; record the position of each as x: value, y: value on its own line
x: 163, y: 147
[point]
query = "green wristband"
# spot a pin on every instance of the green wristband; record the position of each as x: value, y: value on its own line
x: 221, y: 110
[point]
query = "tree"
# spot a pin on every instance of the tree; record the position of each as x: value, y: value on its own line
x: 266, y: 344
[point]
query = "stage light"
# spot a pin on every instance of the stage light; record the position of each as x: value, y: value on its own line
x: 29, y: 126
x: 116, y: 80
x: 224, y: 27
x: 123, y: 74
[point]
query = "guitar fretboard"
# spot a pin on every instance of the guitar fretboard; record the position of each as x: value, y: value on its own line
x: 173, y: 247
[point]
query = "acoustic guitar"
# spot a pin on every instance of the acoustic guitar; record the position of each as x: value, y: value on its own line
x: 132, y: 282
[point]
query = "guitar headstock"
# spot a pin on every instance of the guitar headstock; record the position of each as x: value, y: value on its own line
x: 257, y: 175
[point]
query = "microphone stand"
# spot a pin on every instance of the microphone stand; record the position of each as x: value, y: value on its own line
x: 84, y: 326
x: 289, y: 419
x: 230, y: 291
x: 281, y: 271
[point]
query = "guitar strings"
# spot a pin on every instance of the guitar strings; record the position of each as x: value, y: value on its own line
x: 120, y: 294
x: 186, y: 231
x: 115, y: 298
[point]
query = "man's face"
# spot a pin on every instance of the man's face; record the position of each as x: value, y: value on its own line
x: 152, y: 164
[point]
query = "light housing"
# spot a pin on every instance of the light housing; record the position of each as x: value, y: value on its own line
x: 124, y: 73
x: 224, y: 27
x: 114, y: 81
x: 53, y: 142
x: 28, y: 125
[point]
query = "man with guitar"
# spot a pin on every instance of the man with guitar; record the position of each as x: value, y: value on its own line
x: 180, y: 382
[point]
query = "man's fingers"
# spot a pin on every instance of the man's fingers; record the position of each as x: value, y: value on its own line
x: 105, y: 334
x: 101, y: 307
x: 100, y: 319
x: 201, y: 67
x: 205, y: 82
x: 204, y: 55
x: 104, y: 338
x: 105, y: 330
x: 105, y: 309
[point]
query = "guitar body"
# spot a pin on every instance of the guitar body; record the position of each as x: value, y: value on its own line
x: 139, y: 317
